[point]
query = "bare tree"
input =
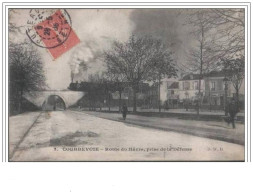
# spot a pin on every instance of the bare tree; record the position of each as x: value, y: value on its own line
x: 230, y: 28
x: 220, y: 34
x: 164, y: 67
x: 100, y: 88
x: 200, y: 56
x: 97, y: 77
x: 134, y: 59
x: 119, y: 82
x: 234, y: 70
x: 26, y: 72
x: 226, y: 28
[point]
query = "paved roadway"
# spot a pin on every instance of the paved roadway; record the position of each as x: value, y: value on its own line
x: 58, y: 135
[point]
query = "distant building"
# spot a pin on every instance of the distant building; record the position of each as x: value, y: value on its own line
x: 215, y: 89
x: 189, y: 87
x: 173, y: 94
x: 212, y: 90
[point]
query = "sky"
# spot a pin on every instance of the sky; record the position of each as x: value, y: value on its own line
x: 97, y: 29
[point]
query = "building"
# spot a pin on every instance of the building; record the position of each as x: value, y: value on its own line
x: 189, y: 87
x: 215, y: 90
x: 173, y: 94
x: 218, y: 89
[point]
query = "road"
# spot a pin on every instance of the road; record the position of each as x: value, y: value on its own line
x: 74, y: 136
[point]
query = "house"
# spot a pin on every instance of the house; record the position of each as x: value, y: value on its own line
x: 173, y: 94
x: 215, y: 90
x: 212, y: 88
x: 189, y: 87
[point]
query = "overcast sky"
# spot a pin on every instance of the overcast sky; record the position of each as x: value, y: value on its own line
x: 97, y: 28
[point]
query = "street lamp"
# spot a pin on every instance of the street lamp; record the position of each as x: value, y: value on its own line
x: 225, y: 80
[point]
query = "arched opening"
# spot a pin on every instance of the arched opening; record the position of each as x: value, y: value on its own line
x: 54, y: 103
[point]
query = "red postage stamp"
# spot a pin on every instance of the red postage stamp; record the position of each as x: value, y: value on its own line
x: 53, y: 32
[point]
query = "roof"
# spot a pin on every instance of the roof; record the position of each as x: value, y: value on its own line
x: 174, y: 85
x: 196, y: 76
x: 190, y: 77
x: 215, y: 74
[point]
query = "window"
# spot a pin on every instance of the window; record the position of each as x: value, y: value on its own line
x: 186, y: 85
x: 172, y: 92
x: 196, y: 85
x: 212, y: 86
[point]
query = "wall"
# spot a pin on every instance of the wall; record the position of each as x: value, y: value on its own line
x: 192, y: 92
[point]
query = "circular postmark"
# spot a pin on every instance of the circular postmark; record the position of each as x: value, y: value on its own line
x: 48, y: 28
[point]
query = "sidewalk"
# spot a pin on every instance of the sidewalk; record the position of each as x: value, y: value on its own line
x: 209, y: 129
x: 18, y: 126
x: 178, y: 111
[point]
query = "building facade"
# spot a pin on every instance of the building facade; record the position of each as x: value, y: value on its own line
x: 189, y: 87
x: 215, y: 90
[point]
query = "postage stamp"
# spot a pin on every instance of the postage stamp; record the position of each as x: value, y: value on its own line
x: 51, y: 31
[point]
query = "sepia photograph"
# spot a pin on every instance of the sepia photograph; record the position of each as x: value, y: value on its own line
x: 126, y: 84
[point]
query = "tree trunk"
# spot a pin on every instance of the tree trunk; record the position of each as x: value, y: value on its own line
x: 120, y: 93
x: 198, y: 106
x: 209, y: 94
x: 237, y: 97
x: 201, y: 67
x: 159, y: 95
x: 134, y: 100
x: 225, y: 99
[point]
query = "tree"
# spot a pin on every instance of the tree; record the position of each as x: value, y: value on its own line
x: 234, y: 70
x: 164, y: 67
x: 26, y: 73
x: 230, y: 27
x: 98, y: 89
x: 219, y: 33
x: 135, y: 60
x: 200, y: 58
x: 119, y: 83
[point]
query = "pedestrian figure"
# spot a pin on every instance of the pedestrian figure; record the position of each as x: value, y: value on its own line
x: 124, y: 111
x: 186, y: 105
x: 54, y: 107
x: 232, y: 110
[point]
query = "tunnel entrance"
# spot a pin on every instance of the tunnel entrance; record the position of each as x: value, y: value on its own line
x: 53, y: 103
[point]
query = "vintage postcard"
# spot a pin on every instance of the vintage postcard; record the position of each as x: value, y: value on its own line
x: 126, y: 84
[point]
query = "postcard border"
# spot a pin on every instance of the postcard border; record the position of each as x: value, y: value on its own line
x: 5, y: 110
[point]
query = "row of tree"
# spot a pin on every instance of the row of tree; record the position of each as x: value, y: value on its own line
x: 139, y: 60
x: 219, y: 44
x: 99, y: 91
x: 26, y: 74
